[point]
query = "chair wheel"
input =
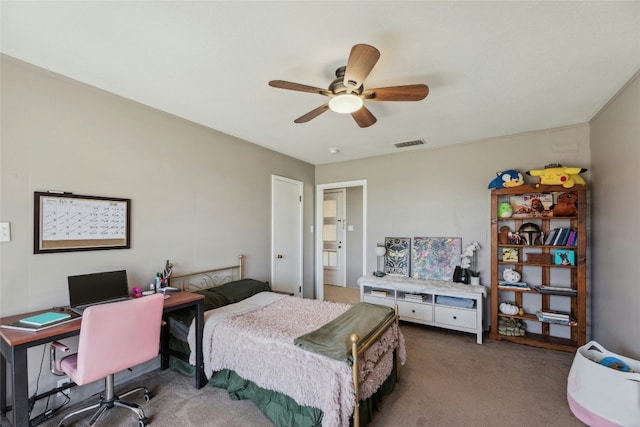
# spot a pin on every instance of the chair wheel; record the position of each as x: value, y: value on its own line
x: 148, y: 396
x: 143, y: 422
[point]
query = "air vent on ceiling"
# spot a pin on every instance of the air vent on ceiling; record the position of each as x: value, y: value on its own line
x: 409, y: 143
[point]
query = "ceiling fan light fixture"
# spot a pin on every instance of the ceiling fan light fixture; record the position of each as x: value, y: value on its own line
x: 345, y: 103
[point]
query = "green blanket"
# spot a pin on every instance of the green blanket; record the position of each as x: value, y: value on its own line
x: 333, y: 339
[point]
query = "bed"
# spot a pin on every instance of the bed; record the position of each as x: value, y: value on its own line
x: 340, y: 359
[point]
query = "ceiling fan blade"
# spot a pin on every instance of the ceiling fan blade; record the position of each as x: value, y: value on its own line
x: 397, y: 93
x: 281, y: 84
x: 363, y: 117
x: 312, y: 114
x: 362, y: 59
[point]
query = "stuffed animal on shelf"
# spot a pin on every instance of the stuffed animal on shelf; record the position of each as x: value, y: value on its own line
x: 507, y: 179
x: 503, y: 237
x: 505, y: 210
x: 555, y: 174
x: 566, y: 204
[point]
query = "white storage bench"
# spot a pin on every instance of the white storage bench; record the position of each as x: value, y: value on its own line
x: 429, y: 302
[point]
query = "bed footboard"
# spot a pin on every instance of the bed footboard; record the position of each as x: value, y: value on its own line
x: 357, y: 351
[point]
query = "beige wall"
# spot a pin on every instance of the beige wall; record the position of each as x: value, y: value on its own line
x: 199, y: 197
x: 615, y: 148
x: 443, y: 192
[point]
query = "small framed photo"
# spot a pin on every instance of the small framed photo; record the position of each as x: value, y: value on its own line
x: 510, y: 254
x: 565, y: 257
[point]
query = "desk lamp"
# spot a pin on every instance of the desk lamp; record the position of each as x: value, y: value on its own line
x: 380, y: 251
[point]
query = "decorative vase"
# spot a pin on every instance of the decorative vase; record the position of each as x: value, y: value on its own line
x: 461, y: 275
x: 475, y: 280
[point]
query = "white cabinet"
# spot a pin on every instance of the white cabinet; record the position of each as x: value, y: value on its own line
x: 424, y: 302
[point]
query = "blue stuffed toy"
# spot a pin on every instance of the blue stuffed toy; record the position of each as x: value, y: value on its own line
x: 508, y: 178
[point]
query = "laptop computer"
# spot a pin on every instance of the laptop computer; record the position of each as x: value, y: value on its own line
x: 86, y: 290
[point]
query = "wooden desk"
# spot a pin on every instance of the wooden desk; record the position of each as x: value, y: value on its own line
x: 15, y: 343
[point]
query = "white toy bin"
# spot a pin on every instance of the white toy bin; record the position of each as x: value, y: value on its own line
x: 601, y: 396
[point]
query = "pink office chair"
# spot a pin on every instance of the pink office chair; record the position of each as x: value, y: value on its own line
x: 113, y: 337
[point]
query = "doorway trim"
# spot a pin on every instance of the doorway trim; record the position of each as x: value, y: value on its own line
x: 319, y: 288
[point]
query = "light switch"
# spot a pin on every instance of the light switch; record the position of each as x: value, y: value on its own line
x: 5, y: 232
x: 349, y: 227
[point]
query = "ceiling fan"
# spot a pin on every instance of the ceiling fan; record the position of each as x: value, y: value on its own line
x: 347, y: 92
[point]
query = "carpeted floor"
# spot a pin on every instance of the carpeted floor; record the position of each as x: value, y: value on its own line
x: 340, y: 294
x: 448, y: 380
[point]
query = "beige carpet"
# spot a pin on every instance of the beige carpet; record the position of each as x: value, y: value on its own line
x: 340, y: 294
x: 448, y: 380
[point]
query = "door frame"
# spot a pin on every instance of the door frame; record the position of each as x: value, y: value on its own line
x: 300, y: 185
x: 343, y: 243
x: 319, y: 290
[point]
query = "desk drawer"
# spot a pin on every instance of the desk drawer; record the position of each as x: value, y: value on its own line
x: 415, y: 310
x: 456, y: 317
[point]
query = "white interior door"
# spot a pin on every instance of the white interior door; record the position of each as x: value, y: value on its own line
x: 333, y: 237
x: 286, y: 235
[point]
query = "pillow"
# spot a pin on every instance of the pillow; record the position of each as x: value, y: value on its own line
x: 240, y: 289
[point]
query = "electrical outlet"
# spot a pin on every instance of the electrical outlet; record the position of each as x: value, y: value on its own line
x: 5, y: 232
x: 62, y: 383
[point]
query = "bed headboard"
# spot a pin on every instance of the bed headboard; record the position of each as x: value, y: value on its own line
x: 205, y: 279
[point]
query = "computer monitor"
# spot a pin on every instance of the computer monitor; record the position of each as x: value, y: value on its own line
x: 97, y: 287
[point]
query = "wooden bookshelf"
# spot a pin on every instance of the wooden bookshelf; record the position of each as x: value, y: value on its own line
x: 540, y: 333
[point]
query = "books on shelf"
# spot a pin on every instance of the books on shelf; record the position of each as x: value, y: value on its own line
x: 551, y: 236
x: 414, y: 297
x: 554, y: 316
x: 378, y: 293
x: 513, y: 285
x: 561, y: 237
x: 557, y: 290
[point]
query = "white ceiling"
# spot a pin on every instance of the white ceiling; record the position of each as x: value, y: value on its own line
x: 493, y: 68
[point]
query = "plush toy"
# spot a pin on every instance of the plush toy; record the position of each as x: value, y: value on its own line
x: 505, y: 210
x: 136, y: 292
x: 555, y: 174
x: 503, y: 237
x: 566, y: 204
x: 508, y: 178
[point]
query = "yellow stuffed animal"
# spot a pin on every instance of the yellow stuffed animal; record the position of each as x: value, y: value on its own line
x: 558, y: 175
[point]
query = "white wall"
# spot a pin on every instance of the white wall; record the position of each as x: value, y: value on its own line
x: 199, y: 197
x: 615, y: 148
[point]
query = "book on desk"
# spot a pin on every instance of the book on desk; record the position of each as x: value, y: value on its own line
x: 41, y: 321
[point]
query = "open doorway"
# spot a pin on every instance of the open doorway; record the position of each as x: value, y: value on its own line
x: 350, y: 246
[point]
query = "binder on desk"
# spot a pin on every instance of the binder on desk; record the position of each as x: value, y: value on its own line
x: 41, y: 321
x: 45, y: 318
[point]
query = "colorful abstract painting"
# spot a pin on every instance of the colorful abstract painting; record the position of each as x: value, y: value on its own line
x: 435, y: 258
x: 398, y: 257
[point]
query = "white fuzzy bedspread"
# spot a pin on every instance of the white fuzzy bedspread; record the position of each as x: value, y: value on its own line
x: 257, y: 343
